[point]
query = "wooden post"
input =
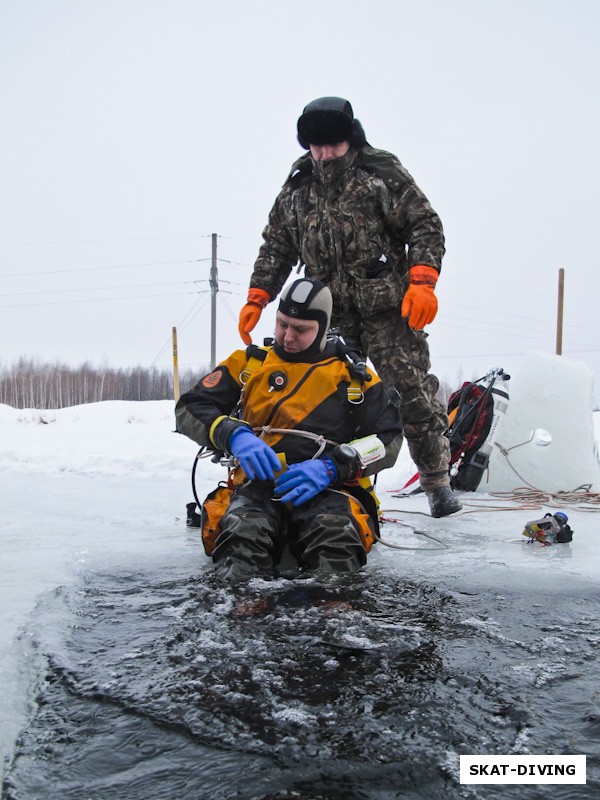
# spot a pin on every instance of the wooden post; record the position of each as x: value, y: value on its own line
x: 213, y: 282
x: 175, y: 367
x: 559, y: 318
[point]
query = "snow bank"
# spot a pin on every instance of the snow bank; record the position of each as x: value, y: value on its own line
x: 108, y: 438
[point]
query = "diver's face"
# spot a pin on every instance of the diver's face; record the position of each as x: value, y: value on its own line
x: 295, y: 335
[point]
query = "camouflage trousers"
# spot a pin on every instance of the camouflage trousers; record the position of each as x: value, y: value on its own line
x: 322, y: 535
x: 400, y: 356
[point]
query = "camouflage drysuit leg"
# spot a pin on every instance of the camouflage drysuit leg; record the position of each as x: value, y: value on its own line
x: 401, y: 358
x: 251, y: 537
x: 324, y: 535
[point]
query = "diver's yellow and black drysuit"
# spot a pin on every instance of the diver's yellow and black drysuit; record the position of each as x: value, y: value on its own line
x: 302, y: 405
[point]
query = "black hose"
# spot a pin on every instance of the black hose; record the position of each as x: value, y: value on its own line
x: 195, y: 493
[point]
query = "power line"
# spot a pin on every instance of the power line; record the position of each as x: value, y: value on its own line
x: 516, y: 316
x: 506, y: 330
x: 232, y: 314
x: 94, y: 269
x: 181, y: 326
x: 524, y: 292
x: 99, y: 288
x: 97, y: 300
x: 103, y: 241
x: 436, y: 357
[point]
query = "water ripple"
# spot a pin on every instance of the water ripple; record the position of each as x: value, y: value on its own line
x: 364, y: 688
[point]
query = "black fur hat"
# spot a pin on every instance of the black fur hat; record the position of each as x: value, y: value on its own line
x: 329, y: 120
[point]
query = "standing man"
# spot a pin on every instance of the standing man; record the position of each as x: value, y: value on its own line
x: 356, y: 220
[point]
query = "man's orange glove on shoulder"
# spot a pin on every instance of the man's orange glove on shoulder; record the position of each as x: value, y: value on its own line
x: 250, y: 313
x: 420, y: 304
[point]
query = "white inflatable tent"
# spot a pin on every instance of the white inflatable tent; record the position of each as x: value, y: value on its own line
x: 546, y: 439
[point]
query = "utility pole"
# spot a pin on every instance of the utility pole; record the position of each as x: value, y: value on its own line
x: 214, y: 288
x: 559, y: 316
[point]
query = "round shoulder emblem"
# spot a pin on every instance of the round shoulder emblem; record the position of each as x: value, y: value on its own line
x: 212, y: 379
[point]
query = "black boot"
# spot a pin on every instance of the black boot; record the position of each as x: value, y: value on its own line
x: 442, y: 502
x: 193, y: 519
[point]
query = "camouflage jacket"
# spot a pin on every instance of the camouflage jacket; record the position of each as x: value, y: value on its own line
x: 358, y: 223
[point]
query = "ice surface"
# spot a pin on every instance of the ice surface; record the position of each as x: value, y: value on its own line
x: 105, y: 486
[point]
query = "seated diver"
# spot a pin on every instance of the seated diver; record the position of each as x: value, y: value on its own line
x: 302, y: 442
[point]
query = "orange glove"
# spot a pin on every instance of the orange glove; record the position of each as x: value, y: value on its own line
x: 250, y: 313
x: 420, y: 304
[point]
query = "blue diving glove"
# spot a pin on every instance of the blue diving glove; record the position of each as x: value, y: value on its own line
x: 301, y: 482
x: 256, y: 458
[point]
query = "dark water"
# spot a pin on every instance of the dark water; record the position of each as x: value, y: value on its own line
x: 367, y: 689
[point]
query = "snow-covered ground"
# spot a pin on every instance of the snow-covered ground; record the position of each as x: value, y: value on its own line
x: 106, y: 484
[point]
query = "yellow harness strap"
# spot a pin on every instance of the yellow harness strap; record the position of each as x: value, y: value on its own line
x: 355, y: 392
x: 256, y: 360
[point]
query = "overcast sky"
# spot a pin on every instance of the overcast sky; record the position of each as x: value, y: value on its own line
x: 134, y: 129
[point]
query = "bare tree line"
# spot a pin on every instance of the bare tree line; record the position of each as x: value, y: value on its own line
x: 32, y: 384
